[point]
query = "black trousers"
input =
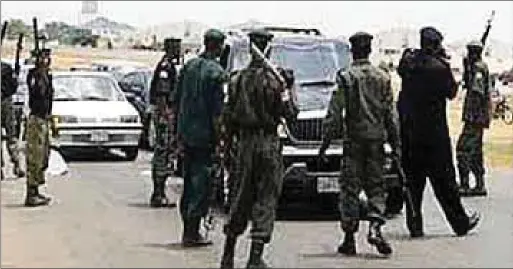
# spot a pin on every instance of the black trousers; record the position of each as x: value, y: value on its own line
x: 434, y: 161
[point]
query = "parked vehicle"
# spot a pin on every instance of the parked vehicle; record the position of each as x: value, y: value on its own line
x: 92, y: 112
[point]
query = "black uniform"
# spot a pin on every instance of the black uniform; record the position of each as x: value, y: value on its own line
x: 428, y: 83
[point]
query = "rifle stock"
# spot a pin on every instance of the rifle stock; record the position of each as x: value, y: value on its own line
x: 406, y: 191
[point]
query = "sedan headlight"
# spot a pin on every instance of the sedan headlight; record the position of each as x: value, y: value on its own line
x: 65, y: 119
x: 130, y: 119
x: 281, y: 131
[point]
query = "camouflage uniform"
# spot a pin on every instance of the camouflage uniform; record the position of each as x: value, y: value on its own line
x: 39, y: 81
x: 164, y: 117
x: 9, y: 85
x: 427, y: 84
x: 476, y: 116
x: 365, y: 95
x: 200, y: 100
x: 253, y: 112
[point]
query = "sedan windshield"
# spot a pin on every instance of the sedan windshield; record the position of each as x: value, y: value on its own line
x: 85, y: 88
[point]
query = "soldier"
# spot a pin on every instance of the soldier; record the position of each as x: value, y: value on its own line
x: 476, y: 117
x: 39, y: 81
x: 427, y: 83
x: 9, y: 86
x: 255, y: 123
x: 199, y: 101
x: 162, y: 91
x: 365, y: 94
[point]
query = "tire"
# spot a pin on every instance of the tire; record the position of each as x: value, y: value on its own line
x: 131, y: 153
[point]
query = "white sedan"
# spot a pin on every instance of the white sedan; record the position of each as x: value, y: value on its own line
x: 92, y: 112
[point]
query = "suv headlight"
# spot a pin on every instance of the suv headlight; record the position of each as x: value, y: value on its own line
x: 130, y: 119
x: 65, y: 119
x: 281, y: 131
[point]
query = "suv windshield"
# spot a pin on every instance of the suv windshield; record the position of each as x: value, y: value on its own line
x: 311, y: 63
x: 85, y: 88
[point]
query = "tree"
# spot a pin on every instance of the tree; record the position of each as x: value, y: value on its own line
x: 16, y: 27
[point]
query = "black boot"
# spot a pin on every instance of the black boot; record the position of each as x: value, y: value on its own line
x: 464, y: 189
x: 46, y: 198
x: 255, y: 255
x: 480, y: 189
x: 473, y: 220
x: 192, y: 237
x: 18, y: 171
x: 158, y: 197
x: 375, y: 238
x: 33, y: 199
x: 348, y: 246
x: 228, y: 253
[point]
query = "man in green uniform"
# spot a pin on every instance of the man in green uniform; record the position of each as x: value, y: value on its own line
x: 39, y: 81
x: 365, y: 97
x: 162, y: 91
x: 254, y: 110
x: 9, y: 86
x: 476, y: 116
x: 199, y: 99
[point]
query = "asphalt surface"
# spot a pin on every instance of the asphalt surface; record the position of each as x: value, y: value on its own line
x: 99, y: 218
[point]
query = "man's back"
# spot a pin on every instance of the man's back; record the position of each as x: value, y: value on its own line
x: 368, y: 100
x: 200, y: 97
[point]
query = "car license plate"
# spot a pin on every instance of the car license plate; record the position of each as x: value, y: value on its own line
x: 99, y: 136
x: 328, y: 185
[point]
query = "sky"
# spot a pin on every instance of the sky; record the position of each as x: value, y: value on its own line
x: 456, y: 19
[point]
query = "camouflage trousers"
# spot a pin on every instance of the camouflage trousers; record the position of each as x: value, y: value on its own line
x: 469, y: 151
x: 362, y: 169
x: 197, y: 165
x: 8, y: 123
x: 38, y: 150
x: 257, y: 186
x: 164, y: 149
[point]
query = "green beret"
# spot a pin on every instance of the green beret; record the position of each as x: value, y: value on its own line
x: 214, y: 35
x: 260, y: 34
x: 475, y: 44
x: 361, y: 39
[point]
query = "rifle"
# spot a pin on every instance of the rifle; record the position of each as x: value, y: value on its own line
x: 36, y: 39
x: 467, y: 68
x: 19, y: 47
x: 406, y: 191
x: 4, y: 30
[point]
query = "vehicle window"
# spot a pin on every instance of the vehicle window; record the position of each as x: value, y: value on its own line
x: 129, y: 78
x: 85, y: 88
x: 310, y: 62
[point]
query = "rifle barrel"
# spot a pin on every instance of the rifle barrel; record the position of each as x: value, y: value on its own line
x: 4, y: 30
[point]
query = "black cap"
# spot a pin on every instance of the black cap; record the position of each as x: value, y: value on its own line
x: 171, y: 42
x: 475, y: 44
x: 260, y: 34
x: 361, y: 39
x: 431, y: 33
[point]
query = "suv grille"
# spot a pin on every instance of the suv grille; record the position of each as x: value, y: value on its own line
x: 307, y: 130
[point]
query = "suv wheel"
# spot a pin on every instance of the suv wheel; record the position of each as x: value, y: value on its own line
x: 131, y: 153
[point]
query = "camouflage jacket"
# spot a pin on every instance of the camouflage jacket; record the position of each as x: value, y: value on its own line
x: 477, y: 99
x: 362, y: 107
x: 255, y: 100
x: 163, y: 83
x: 199, y: 100
x: 41, y: 91
x: 9, y: 81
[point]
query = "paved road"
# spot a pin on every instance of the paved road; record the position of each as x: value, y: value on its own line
x: 99, y: 218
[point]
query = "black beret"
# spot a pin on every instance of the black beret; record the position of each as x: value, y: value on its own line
x: 260, y: 34
x: 361, y: 39
x: 431, y: 33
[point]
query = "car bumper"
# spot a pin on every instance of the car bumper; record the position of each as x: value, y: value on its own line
x: 98, y: 137
x: 306, y: 176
